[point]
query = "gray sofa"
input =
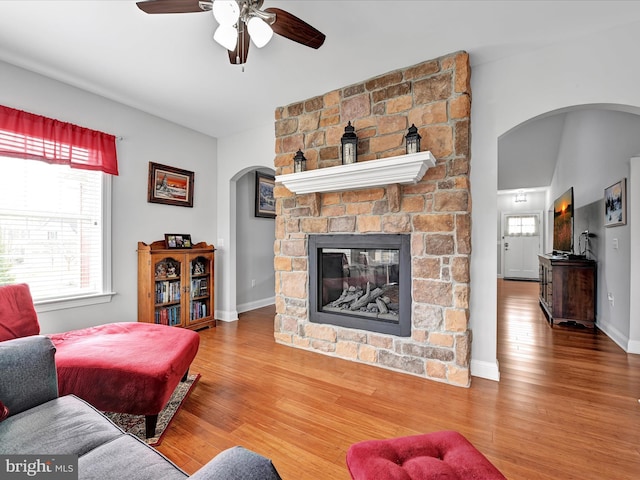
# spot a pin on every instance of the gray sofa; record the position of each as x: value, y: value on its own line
x: 41, y: 423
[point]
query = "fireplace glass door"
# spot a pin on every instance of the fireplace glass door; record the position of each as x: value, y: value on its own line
x: 361, y: 281
x: 358, y: 284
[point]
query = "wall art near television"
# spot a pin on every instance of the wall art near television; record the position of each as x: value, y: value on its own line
x: 615, y: 204
x: 563, y: 222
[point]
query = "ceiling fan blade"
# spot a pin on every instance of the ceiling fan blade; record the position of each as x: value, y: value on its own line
x: 291, y: 27
x: 170, y: 6
x: 239, y: 55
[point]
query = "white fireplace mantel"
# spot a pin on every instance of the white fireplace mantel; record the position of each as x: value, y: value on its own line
x: 403, y: 169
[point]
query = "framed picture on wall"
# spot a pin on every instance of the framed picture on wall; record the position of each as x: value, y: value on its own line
x: 265, y: 201
x: 615, y: 204
x: 170, y: 185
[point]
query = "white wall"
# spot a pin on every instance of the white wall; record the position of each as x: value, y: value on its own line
x: 633, y: 219
x: 506, y: 93
x: 237, y: 155
x: 255, y: 277
x: 145, y: 138
x: 594, y: 152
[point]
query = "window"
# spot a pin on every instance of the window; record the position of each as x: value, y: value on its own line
x: 55, y: 209
x: 522, y: 225
x: 52, y: 229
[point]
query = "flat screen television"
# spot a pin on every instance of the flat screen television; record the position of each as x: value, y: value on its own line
x: 563, y: 223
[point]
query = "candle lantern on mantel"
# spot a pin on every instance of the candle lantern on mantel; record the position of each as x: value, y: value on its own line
x: 349, y: 145
x: 299, y: 162
x: 413, y: 139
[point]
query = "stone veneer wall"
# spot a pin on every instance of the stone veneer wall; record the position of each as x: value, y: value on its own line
x: 435, y: 96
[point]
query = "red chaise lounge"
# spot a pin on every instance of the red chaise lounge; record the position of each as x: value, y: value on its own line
x: 119, y: 367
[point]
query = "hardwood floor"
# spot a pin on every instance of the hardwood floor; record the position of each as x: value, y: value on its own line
x: 566, y: 406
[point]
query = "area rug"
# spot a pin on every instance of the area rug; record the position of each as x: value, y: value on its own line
x: 134, y: 424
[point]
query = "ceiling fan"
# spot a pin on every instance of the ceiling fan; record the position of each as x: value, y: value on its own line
x: 242, y: 20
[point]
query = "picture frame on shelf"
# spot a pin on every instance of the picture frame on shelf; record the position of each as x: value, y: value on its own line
x: 177, y: 240
x: 170, y: 185
x: 615, y: 204
x: 265, y: 199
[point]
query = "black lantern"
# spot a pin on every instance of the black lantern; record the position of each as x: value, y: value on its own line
x: 413, y: 140
x: 299, y: 162
x: 349, y: 145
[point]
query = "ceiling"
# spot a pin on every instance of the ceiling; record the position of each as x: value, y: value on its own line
x: 527, y: 154
x: 169, y: 65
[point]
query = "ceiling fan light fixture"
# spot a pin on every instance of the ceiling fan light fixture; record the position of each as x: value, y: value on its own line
x: 226, y: 12
x: 242, y: 21
x: 259, y: 31
x: 227, y: 36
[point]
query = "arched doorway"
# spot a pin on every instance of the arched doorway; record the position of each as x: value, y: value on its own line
x: 255, y: 274
x: 588, y: 148
x: 238, y: 197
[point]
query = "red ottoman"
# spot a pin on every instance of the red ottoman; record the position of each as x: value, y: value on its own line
x: 125, y: 367
x: 437, y: 455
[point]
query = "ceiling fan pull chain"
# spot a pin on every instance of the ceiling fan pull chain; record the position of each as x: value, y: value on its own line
x: 242, y: 33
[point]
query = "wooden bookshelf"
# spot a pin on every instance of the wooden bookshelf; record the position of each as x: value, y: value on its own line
x: 176, y: 286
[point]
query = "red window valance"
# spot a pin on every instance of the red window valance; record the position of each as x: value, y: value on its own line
x: 26, y: 135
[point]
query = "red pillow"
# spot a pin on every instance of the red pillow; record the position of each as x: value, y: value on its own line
x: 4, y: 411
x: 18, y: 317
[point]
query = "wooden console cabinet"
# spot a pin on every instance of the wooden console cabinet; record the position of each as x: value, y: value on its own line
x: 175, y: 286
x: 568, y: 290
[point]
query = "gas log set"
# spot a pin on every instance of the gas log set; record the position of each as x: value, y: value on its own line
x: 374, y: 302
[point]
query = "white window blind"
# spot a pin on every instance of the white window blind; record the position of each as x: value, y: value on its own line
x: 522, y: 225
x: 51, y: 229
x: 26, y: 146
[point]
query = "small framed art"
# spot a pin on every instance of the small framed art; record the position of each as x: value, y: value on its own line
x: 177, y: 240
x: 170, y: 185
x: 265, y: 200
x: 615, y: 204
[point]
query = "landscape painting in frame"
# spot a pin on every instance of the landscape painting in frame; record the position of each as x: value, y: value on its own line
x: 265, y: 201
x: 563, y: 222
x: 615, y: 204
x: 170, y: 185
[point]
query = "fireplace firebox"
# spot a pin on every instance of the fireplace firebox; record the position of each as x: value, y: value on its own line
x: 361, y: 282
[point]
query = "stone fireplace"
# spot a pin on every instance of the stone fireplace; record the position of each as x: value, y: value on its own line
x: 432, y: 214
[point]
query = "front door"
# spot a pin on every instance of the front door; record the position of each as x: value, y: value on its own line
x: 521, y: 246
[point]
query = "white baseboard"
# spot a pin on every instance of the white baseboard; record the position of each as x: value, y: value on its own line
x: 245, y: 307
x: 487, y: 370
x: 614, y: 334
x: 634, y: 346
x: 226, y: 315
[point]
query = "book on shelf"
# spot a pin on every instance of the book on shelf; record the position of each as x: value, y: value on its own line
x: 199, y: 287
x: 198, y: 310
x: 167, y: 291
x: 168, y: 315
